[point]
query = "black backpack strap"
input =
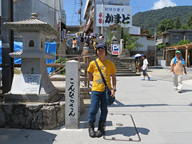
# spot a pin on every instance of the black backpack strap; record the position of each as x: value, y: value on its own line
x: 101, y: 73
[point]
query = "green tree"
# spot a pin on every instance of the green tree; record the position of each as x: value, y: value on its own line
x: 165, y: 25
x: 184, y: 26
x: 161, y: 46
x: 161, y: 26
x: 169, y: 25
x: 189, y: 21
x: 60, y: 60
x: 131, y: 42
x: 177, y: 24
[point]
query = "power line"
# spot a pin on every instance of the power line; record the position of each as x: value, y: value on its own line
x: 137, y: 6
x: 73, y: 11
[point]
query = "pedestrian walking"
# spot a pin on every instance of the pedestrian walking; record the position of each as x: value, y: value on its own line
x: 86, y: 39
x: 74, y: 42
x: 177, y: 67
x: 144, y: 67
x: 85, y: 51
x: 101, y: 38
x: 98, y: 95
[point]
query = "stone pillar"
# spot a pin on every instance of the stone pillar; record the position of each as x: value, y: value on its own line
x: 72, y: 99
x: 121, y: 47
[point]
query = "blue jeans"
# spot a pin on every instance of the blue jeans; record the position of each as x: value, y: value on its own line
x: 98, y: 99
x: 74, y: 50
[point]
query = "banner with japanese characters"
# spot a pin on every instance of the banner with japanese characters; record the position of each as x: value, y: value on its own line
x: 122, y: 14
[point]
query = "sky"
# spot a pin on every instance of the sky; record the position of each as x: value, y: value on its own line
x: 71, y: 7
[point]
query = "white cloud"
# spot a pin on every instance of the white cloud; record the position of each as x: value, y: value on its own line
x: 163, y: 3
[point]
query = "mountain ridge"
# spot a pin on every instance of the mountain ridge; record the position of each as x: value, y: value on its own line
x: 148, y: 20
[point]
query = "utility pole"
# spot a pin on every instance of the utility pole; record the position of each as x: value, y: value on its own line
x: 7, y: 45
x: 155, y: 49
x: 81, y: 4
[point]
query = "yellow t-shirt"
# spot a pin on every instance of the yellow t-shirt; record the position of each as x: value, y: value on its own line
x: 107, y: 68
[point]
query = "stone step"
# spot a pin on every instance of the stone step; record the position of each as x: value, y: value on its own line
x: 123, y: 70
x: 121, y: 67
x: 127, y: 74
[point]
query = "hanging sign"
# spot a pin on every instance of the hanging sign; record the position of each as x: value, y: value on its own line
x: 122, y: 14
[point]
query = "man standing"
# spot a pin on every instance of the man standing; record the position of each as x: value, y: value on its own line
x: 177, y: 66
x: 144, y: 67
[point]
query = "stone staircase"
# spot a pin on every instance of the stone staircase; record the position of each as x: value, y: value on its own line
x: 122, y: 68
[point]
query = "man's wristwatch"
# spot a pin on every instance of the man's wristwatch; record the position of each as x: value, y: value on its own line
x: 114, y: 89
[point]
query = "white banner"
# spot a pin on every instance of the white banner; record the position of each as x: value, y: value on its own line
x: 123, y: 14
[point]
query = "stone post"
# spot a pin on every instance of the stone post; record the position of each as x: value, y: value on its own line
x: 72, y: 99
x: 121, y: 47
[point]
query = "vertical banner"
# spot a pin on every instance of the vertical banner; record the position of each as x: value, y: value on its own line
x: 122, y: 14
x: 115, y: 49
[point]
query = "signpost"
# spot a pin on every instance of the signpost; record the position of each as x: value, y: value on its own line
x: 72, y: 99
x: 115, y: 49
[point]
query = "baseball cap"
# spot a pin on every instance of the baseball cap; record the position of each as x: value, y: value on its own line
x: 102, y: 45
x: 177, y: 52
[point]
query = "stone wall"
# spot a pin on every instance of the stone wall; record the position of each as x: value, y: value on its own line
x: 33, y: 115
x: 128, y: 62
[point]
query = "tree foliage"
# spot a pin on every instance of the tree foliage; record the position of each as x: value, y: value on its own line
x: 61, y: 60
x: 165, y: 25
x: 130, y: 41
x: 189, y: 21
x: 182, y: 42
x: 161, y: 46
x: 177, y: 24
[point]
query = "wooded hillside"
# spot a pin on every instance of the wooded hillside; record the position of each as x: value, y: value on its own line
x: 149, y: 19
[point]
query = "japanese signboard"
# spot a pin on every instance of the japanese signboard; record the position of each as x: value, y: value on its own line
x: 115, y: 49
x: 63, y: 16
x: 122, y: 14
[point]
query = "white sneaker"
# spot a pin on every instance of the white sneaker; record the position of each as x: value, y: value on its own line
x: 175, y: 89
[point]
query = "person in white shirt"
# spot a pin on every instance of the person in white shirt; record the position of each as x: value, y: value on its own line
x: 144, y: 67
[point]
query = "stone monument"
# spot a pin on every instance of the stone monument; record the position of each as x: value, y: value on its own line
x: 30, y: 103
x: 114, y: 31
x: 33, y: 83
x: 72, y: 99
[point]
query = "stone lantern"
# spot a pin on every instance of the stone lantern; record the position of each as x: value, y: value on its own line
x: 114, y: 31
x: 33, y: 83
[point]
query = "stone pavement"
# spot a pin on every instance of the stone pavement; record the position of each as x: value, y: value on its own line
x: 161, y: 116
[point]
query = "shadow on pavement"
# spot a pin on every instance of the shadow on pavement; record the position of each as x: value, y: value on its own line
x: 152, y: 80
x: 127, y: 131
x: 119, y: 104
x: 185, y: 91
x: 27, y: 136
